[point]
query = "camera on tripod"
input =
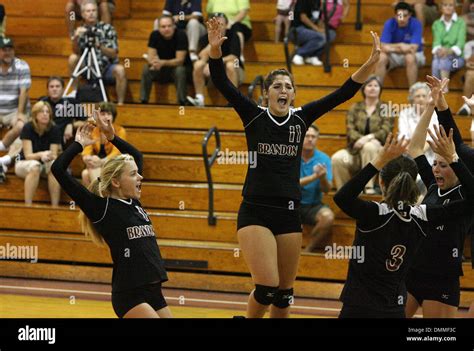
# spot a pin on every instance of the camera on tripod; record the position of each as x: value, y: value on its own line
x: 91, y: 36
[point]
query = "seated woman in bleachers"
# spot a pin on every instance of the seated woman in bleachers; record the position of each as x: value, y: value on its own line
x: 94, y: 156
x: 409, y: 117
x: 368, y: 124
x: 41, y: 141
x: 449, y: 37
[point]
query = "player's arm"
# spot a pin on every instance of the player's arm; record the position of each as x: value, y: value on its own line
x: 315, y: 109
x: 92, y: 205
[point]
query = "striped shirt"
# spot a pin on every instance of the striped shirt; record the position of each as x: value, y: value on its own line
x: 16, y: 77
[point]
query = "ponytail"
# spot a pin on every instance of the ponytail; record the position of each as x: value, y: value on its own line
x: 399, y: 177
x: 86, y: 225
x: 402, y: 190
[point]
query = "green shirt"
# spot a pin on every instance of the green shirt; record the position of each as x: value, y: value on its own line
x: 230, y: 8
x: 455, y: 38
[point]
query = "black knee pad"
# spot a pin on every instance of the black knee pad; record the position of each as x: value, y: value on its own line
x: 283, y: 298
x: 264, y: 295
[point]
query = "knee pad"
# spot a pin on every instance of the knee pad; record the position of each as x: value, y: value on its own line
x: 264, y: 295
x: 283, y: 298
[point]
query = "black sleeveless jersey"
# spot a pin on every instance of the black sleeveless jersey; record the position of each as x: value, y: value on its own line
x: 275, y: 142
x: 124, y: 224
x: 389, y: 239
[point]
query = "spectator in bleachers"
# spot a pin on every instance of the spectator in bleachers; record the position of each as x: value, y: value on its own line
x: 15, y: 82
x: 284, y: 7
x: 73, y: 12
x: 409, y: 117
x: 65, y: 115
x: 3, y: 21
x: 187, y: 16
x: 41, y: 143
x: 340, y: 13
x: 468, y: 90
x: 310, y: 33
x: 95, y: 155
x: 368, y: 124
x: 401, y: 44
x: 237, y: 11
x: 315, y: 179
x: 449, y: 37
x: 167, y: 54
x: 106, y: 48
x: 425, y: 10
x: 230, y: 55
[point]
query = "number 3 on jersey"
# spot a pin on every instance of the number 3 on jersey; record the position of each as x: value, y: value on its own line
x: 143, y: 213
x: 393, y: 264
x: 292, y: 134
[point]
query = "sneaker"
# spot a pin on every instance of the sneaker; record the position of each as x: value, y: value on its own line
x: 3, y: 171
x: 465, y: 110
x: 313, y: 61
x: 193, y: 57
x: 298, y: 60
x: 195, y: 101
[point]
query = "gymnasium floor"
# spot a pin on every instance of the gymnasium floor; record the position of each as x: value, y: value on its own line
x: 27, y: 298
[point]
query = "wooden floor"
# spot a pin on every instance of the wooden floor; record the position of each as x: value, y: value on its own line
x: 26, y: 298
x: 30, y: 298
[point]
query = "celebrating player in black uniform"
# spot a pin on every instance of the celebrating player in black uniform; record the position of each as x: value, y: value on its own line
x: 465, y: 152
x: 112, y: 213
x: 391, y: 232
x: 269, y: 227
x: 433, y: 280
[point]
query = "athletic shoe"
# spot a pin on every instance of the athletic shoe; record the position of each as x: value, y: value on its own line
x: 313, y: 61
x: 465, y: 110
x: 193, y: 57
x: 298, y: 60
x: 195, y: 101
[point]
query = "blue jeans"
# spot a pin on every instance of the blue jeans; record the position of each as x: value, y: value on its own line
x: 310, y: 42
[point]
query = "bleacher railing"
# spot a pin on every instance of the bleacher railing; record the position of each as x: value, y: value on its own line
x: 208, y: 162
x: 257, y: 82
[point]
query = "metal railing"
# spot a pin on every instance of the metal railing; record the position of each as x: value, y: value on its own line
x: 358, y: 24
x: 208, y: 162
x: 258, y: 81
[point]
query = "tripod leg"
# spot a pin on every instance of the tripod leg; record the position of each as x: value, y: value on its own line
x: 98, y: 74
x: 77, y: 71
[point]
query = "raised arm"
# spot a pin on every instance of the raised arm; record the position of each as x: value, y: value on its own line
x: 106, y: 127
x: 418, y: 139
x: 92, y: 205
x: 317, y: 108
x: 246, y: 108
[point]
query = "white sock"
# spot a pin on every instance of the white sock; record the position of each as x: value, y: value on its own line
x: 2, y: 146
x: 200, y: 97
x: 5, y: 160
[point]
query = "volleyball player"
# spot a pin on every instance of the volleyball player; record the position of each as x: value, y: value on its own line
x: 433, y: 280
x: 112, y: 214
x: 269, y: 227
x: 391, y: 231
x: 466, y: 153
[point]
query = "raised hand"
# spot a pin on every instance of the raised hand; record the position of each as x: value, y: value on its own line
x: 104, y: 122
x: 392, y: 149
x: 376, y: 49
x: 214, y: 33
x: 470, y: 101
x: 443, y: 144
x: 84, y: 135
